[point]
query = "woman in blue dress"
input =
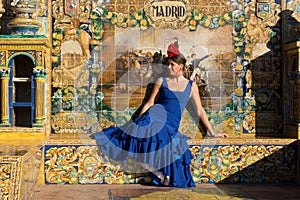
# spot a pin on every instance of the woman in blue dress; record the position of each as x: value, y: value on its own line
x: 152, y: 139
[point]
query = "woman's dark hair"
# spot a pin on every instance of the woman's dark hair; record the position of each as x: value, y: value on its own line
x: 188, y: 71
x: 179, y: 59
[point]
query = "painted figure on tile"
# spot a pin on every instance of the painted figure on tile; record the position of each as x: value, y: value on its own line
x: 74, y: 53
x: 261, y: 15
x: 135, y: 68
x: 255, y: 31
x: 77, y: 41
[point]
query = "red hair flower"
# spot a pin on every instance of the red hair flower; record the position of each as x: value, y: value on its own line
x: 172, y: 50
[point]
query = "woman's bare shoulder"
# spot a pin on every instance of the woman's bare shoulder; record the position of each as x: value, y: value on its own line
x: 159, y: 80
x: 194, y: 86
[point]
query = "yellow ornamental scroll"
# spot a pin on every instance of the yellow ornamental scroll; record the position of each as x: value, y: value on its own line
x: 168, y: 14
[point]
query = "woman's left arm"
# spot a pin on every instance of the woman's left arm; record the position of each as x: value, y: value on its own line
x: 201, y: 112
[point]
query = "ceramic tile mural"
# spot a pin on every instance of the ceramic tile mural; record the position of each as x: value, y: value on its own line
x: 102, y: 56
x: 104, y: 60
x: 104, y: 71
x: 129, y: 79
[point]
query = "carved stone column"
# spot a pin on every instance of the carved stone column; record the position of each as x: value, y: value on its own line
x: 4, y: 73
x: 39, y: 77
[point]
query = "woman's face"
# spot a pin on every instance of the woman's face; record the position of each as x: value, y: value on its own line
x: 174, y: 68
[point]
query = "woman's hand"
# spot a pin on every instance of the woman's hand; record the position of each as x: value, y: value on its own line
x: 220, y: 135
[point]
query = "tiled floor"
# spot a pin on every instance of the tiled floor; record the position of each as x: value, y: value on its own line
x: 136, y: 191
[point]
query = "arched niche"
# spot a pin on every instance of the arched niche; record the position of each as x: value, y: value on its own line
x: 21, y: 90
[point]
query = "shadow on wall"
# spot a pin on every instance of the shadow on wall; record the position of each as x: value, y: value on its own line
x: 266, y: 72
x: 279, y: 166
x: 267, y: 83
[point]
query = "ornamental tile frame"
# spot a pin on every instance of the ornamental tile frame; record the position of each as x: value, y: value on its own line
x: 215, y: 161
x: 20, y: 169
x: 103, y: 18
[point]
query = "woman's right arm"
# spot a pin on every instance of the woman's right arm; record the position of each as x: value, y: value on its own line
x: 152, y: 96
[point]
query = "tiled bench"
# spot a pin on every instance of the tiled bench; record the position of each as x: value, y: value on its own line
x: 75, y: 161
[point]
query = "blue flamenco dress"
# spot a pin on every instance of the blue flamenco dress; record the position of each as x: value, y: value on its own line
x: 153, y: 140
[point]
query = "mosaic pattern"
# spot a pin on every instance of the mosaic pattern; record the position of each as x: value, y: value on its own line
x: 231, y: 164
x: 213, y: 163
x: 81, y: 164
x: 5, y: 183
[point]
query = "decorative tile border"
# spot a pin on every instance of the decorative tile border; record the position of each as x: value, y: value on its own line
x: 252, y: 160
x: 10, y: 175
x: 19, y: 174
